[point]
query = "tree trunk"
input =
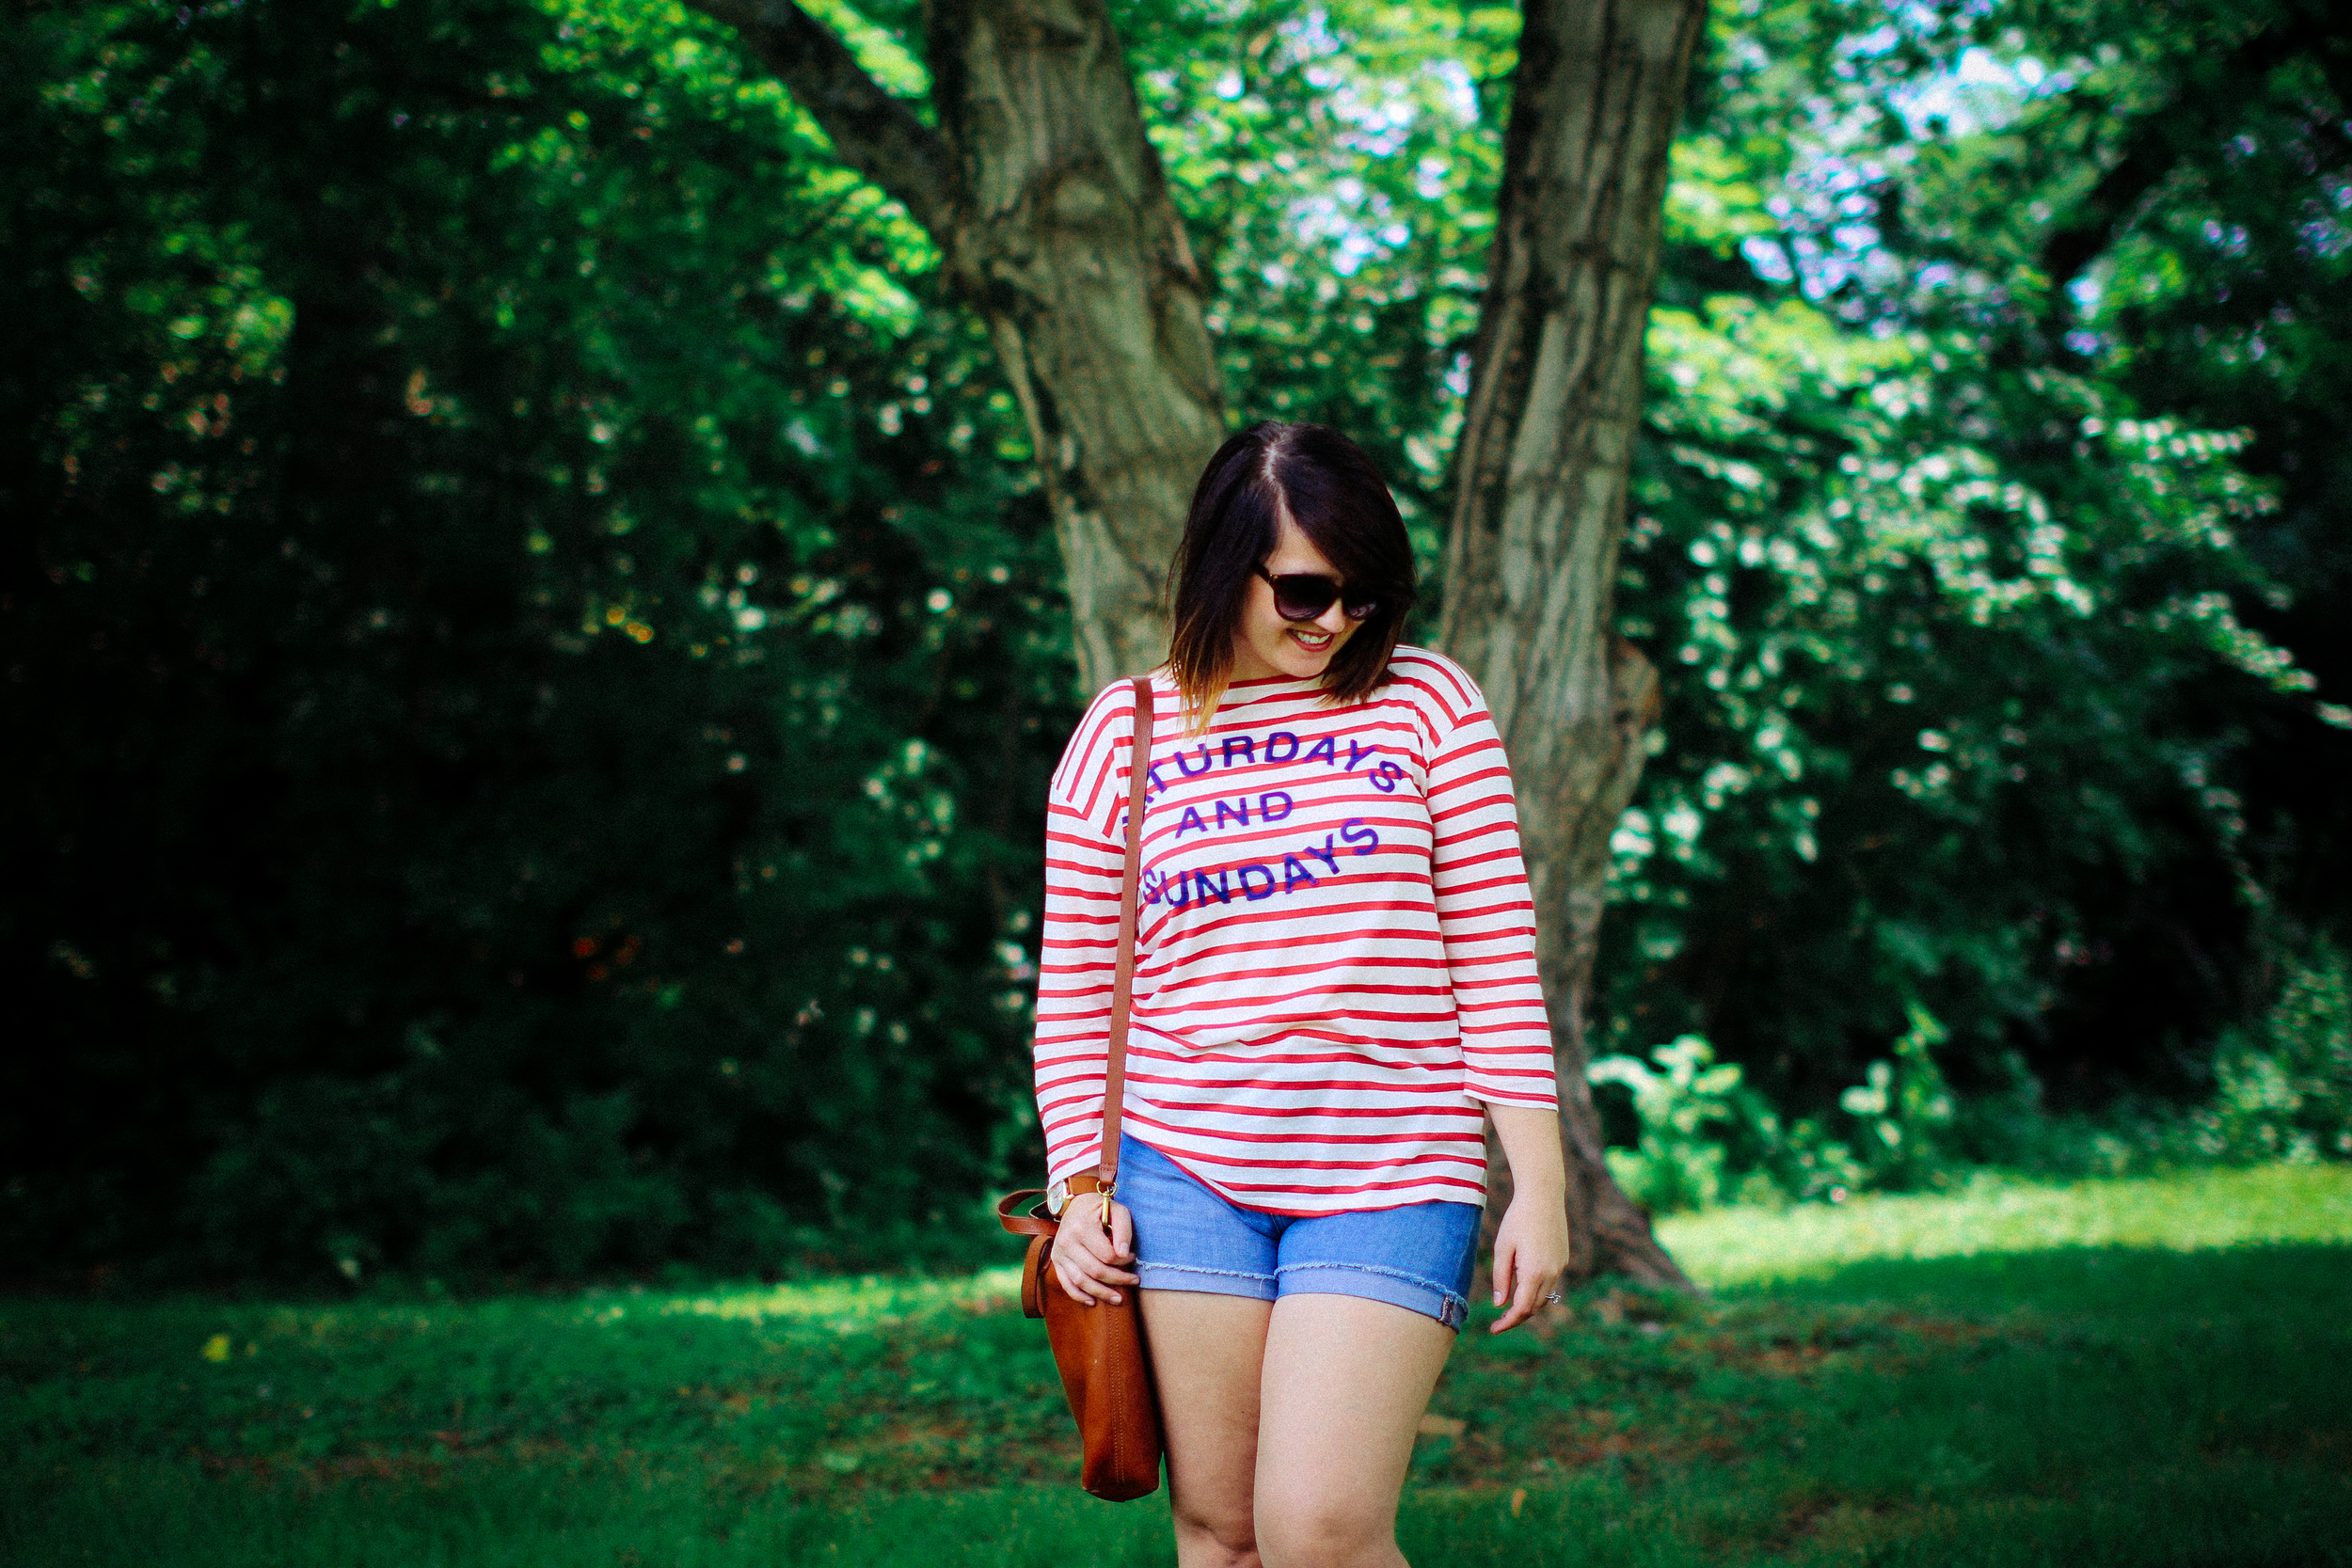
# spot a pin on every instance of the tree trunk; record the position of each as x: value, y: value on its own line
x: 1539, y: 508
x: 1049, y: 207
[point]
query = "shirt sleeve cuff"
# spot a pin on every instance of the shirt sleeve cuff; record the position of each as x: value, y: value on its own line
x: 1545, y: 1097
x: 1078, y: 1162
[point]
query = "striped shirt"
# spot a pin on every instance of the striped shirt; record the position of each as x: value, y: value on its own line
x: 1335, y: 961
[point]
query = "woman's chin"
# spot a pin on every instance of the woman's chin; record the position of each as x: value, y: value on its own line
x: 1287, y: 658
x: 1304, y: 664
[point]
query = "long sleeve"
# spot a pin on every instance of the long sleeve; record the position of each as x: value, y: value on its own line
x: 1485, y: 911
x: 1079, y: 947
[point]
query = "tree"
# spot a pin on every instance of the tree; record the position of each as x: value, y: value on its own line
x: 2001, y: 644
x: 1546, y: 447
x: 520, y: 674
x: 1047, y: 202
x: 1053, y: 224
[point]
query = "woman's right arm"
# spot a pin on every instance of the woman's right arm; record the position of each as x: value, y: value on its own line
x: 1078, y: 949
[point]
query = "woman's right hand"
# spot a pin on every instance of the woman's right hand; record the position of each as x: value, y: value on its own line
x: 1089, y: 1261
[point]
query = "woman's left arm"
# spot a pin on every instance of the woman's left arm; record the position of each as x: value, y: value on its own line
x: 1531, y: 1246
x: 1486, y: 915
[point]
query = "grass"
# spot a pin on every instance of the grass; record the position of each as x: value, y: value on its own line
x: 2125, y: 1373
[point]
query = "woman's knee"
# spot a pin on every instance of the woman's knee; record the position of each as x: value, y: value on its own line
x: 1324, y: 1530
x: 1215, y: 1532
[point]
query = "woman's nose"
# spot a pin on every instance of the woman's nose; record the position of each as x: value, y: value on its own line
x: 1333, y: 620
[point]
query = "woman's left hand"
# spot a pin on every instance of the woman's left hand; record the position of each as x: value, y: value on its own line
x: 1530, y: 1255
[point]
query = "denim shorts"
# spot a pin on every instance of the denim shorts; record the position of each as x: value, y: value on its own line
x: 1188, y: 1238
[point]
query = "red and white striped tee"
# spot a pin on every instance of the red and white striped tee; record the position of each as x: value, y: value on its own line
x: 1335, y: 963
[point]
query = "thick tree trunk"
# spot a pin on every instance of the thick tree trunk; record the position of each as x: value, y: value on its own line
x: 1539, y: 510
x: 1071, y: 247
x: 1048, y: 204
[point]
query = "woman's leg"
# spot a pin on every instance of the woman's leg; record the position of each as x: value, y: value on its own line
x: 1206, y: 1353
x: 1345, y: 1382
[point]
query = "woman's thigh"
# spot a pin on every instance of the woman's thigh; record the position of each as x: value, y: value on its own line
x: 1208, y: 1274
x: 1206, y: 1355
x: 1346, y: 1381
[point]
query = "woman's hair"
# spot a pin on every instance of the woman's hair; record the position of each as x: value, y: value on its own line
x: 1340, y: 503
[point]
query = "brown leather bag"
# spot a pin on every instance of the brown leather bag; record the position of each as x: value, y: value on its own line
x: 1105, y: 1372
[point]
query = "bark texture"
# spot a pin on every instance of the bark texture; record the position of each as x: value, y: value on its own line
x: 1539, y: 509
x: 1050, y: 209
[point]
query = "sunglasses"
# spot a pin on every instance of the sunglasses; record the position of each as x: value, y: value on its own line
x: 1305, y: 596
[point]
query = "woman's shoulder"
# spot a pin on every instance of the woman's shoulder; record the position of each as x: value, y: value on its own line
x: 1098, y: 743
x: 1435, y: 684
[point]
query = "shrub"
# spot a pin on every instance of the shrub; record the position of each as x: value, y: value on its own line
x: 1680, y: 1102
x: 1905, y: 1107
x: 1707, y: 1136
x: 2286, y: 1092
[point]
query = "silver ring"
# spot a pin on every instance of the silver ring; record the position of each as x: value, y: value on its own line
x: 1554, y: 1298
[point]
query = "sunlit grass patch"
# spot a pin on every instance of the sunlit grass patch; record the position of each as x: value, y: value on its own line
x: 1731, y: 1247
x: 864, y: 1301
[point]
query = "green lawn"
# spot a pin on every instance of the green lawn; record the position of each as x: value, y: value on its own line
x: 2125, y: 1373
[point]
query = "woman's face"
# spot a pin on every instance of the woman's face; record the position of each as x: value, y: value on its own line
x: 1265, y: 645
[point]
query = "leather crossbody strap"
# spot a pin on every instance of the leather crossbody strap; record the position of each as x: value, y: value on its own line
x: 1124, y: 977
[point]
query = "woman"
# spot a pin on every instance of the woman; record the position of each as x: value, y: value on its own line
x: 1335, y: 984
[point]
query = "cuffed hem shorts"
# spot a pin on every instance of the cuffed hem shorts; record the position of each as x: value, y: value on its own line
x: 1191, y: 1237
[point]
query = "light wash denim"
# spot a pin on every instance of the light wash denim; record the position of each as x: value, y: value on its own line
x: 1189, y: 1238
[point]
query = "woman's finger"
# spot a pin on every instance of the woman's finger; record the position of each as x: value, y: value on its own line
x: 1076, y: 1271
x: 1505, y: 1265
x: 1523, y: 1300
x: 1103, y: 1250
x: 1075, y: 1286
x: 1123, y: 1234
x: 1083, y: 1254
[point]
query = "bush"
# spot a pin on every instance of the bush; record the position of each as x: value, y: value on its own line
x: 1904, y: 1107
x: 1680, y: 1102
x: 2282, y: 1092
x: 1707, y: 1136
x: 2286, y: 1092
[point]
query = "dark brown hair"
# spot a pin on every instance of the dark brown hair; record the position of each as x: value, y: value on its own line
x: 1340, y: 503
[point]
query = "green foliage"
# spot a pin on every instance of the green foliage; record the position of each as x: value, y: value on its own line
x: 1904, y: 1107
x: 543, y: 651
x: 1686, y: 1105
x: 2286, y: 1093
x: 1964, y: 630
x: 2112, y: 1373
x: 1701, y: 1126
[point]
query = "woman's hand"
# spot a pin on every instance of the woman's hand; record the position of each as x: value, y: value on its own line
x: 1530, y: 1255
x: 1531, y: 1245
x: 1087, y: 1258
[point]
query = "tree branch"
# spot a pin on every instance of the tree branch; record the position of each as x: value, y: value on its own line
x: 875, y: 133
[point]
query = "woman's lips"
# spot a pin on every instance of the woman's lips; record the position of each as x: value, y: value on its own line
x: 1313, y: 641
